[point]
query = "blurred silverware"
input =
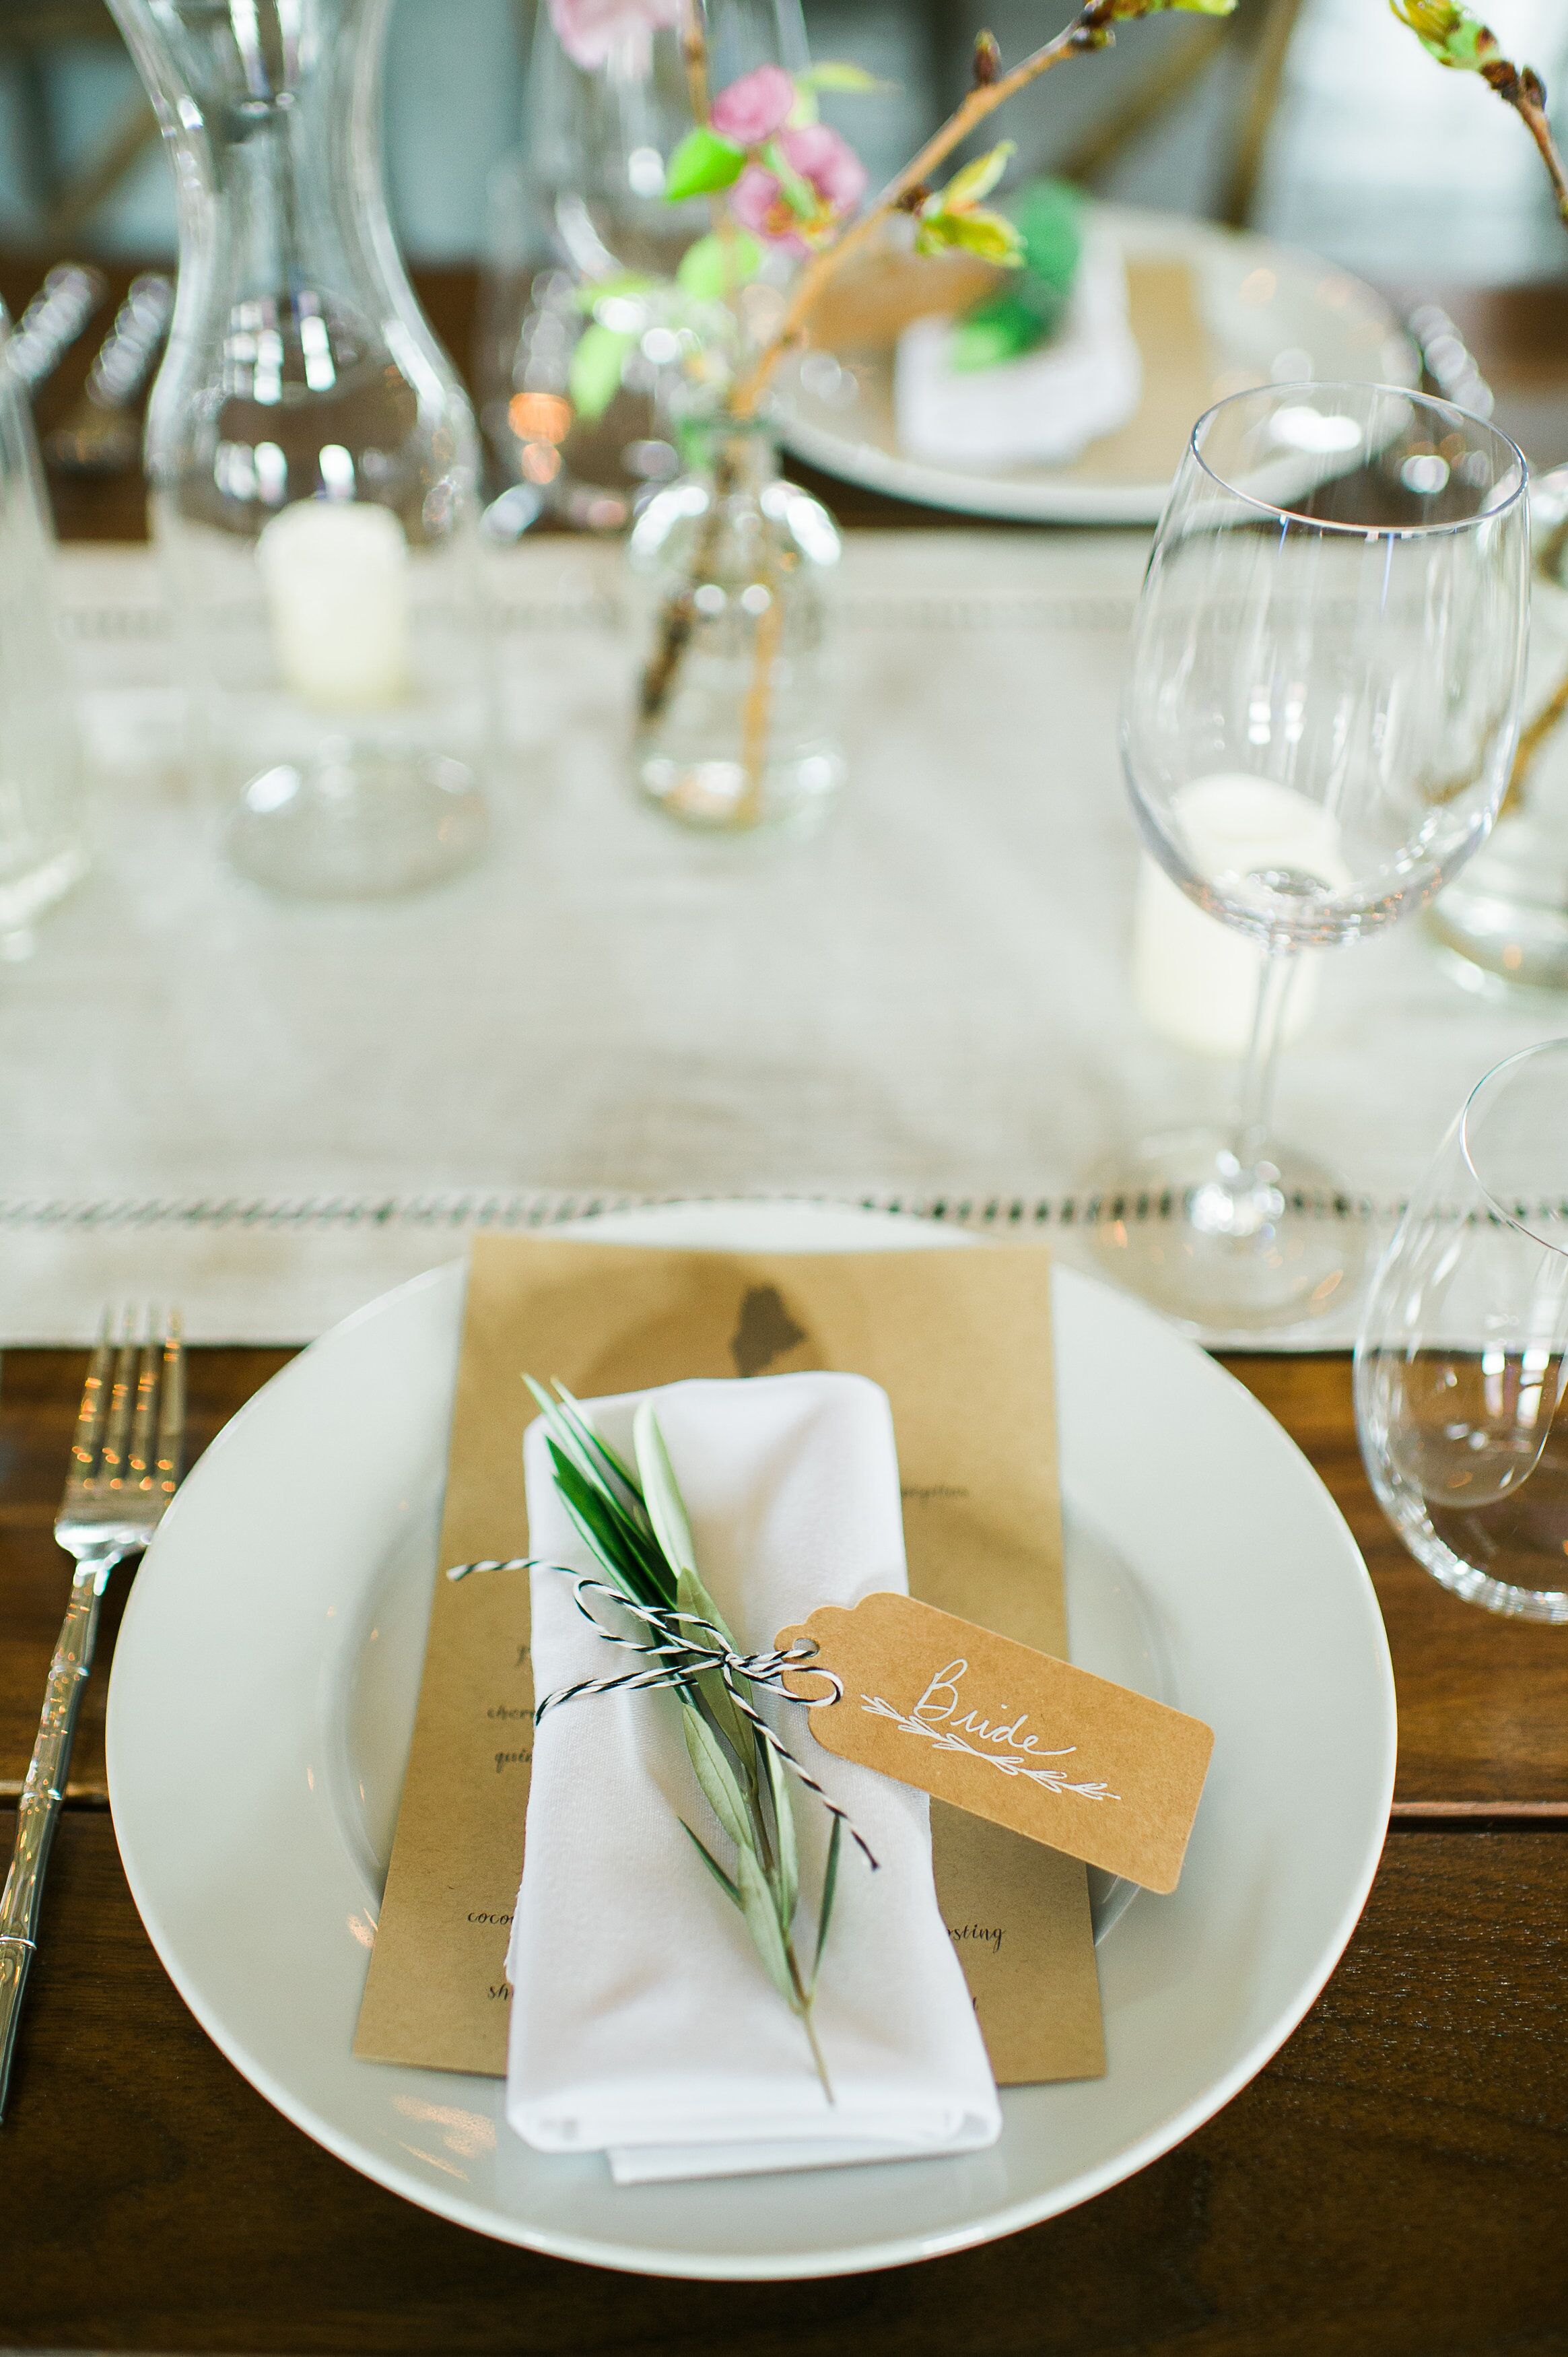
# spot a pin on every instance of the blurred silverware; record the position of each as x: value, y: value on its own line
x: 101, y: 435
x: 1451, y: 367
x: 53, y: 320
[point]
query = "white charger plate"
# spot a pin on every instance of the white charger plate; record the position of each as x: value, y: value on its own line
x: 263, y: 1697
x: 1271, y: 311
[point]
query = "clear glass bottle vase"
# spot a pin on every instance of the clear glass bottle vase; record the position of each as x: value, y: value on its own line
x: 313, y: 462
x: 736, y: 712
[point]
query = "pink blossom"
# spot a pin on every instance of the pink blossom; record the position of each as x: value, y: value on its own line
x: 592, y: 32
x: 829, y: 166
x: 828, y: 162
x: 752, y: 109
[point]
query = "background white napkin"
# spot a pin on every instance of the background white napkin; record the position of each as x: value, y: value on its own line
x: 643, y: 2023
x: 1039, y: 410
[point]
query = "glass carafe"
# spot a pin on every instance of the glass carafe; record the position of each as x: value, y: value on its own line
x: 42, y: 851
x: 312, y: 461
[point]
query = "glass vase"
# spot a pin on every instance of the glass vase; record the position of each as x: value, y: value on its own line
x: 737, y: 718
x: 42, y: 846
x: 313, y: 462
x: 581, y: 206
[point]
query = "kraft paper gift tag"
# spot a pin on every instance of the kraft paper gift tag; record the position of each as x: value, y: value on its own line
x: 960, y: 1340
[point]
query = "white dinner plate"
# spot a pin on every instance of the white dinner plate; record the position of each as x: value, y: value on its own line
x: 263, y: 1697
x: 1270, y: 312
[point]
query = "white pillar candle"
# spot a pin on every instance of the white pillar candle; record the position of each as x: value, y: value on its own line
x: 336, y: 578
x: 1196, y: 977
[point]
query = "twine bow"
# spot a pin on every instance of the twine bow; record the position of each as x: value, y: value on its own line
x: 685, y: 1648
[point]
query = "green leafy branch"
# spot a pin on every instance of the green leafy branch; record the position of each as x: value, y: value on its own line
x: 634, y: 1524
x: 1093, y: 28
x: 1456, y: 37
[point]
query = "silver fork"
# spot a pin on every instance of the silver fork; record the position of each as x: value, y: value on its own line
x: 124, y: 1465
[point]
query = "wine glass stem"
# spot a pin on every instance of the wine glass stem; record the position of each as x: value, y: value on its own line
x: 1255, y: 1108
x: 1242, y: 1198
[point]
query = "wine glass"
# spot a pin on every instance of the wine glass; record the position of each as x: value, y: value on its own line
x: 1316, y: 733
x: 1463, y: 1356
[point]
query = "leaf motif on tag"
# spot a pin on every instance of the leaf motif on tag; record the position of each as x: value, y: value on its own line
x: 1006, y: 1732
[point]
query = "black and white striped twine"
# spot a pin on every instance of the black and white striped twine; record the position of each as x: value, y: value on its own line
x: 683, y: 1649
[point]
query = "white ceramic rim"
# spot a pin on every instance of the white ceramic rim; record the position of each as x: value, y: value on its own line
x: 1137, y: 2155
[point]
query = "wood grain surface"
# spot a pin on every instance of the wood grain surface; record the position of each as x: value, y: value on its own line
x: 1483, y: 1702
x: 1394, y: 2182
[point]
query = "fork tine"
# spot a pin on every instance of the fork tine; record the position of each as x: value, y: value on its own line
x: 91, y: 1415
x: 121, y: 1402
x: 171, y: 1406
x: 146, y: 1409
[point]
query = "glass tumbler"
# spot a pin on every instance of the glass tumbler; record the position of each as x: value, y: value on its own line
x: 1463, y: 1355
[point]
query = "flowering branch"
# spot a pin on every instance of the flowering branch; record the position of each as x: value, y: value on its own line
x: 1094, y: 28
x: 1448, y: 32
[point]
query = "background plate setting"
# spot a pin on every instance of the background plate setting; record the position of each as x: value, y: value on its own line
x: 1213, y: 310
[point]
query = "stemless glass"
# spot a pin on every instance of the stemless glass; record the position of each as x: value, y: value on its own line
x: 1463, y: 1356
x: 1317, y: 730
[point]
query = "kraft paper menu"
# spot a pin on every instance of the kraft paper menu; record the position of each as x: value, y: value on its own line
x: 960, y: 1340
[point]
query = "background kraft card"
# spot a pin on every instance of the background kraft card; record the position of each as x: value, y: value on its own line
x: 960, y: 1340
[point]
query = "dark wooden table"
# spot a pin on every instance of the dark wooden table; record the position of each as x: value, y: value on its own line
x: 1393, y: 2185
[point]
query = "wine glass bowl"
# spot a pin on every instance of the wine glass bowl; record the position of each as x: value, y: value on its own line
x: 1320, y: 715
x: 1462, y: 1363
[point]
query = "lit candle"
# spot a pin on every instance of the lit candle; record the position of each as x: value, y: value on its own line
x: 1196, y: 977
x: 335, y: 577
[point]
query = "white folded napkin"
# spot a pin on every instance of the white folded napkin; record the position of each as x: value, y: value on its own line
x: 643, y: 2023
x: 1038, y: 410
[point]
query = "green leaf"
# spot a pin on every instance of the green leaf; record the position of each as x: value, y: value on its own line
x: 1448, y: 33
x: 835, y: 74
x: 611, y: 1518
x: 797, y: 193
x: 716, y: 265
x: 1003, y: 327
x: 787, y: 1855
x: 597, y: 1452
x: 977, y: 179
x: 598, y: 356
x: 721, y: 1786
x: 984, y: 233
x: 715, y: 1869
x: 691, y: 1595
x: 661, y: 1491
x: 634, y: 1563
x: 1049, y: 218
x: 825, y: 1910
x: 703, y: 165
x: 756, y: 1904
